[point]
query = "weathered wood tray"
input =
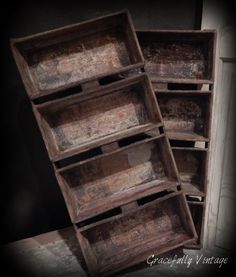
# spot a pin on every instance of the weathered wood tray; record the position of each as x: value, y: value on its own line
x: 178, y: 56
x: 58, y: 59
x: 106, y: 181
x: 186, y: 115
x: 131, y: 236
x: 191, y: 163
x: 80, y: 122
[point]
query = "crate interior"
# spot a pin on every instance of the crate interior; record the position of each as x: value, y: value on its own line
x: 177, y: 55
x: 59, y: 59
x: 196, y: 210
x: 185, y: 116
x: 100, y: 182
x: 70, y: 124
x: 191, y: 166
x: 154, y: 228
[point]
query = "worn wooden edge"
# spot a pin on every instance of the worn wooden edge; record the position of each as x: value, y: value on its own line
x: 176, y: 135
x: 186, y: 216
x: 138, y: 257
x: 56, y: 155
x: 33, y: 92
x: 120, y: 149
x: 159, y: 200
x: 99, y: 91
x: 68, y: 27
x: 183, y: 92
x: 198, y: 244
x: 86, y: 147
x: 198, y: 193
x: 143, y: 256
x: 180, y: 81
x: 124, y: 198
x: 173, y: 31
x: 189, y: 148
x: 37, y: 95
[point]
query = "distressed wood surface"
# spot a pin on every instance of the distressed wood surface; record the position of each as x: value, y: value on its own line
x: 185, y: 114
x: 197, y: 210
x: 124, y: 240
x: 64, y: 57
x: 177, y: 55
x: 102, y: 182
x: 192, y: 166
x: 89, y: 119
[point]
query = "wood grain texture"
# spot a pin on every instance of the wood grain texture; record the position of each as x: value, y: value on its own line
x: 128, y: 239
x: 179, y: 55
x: 80, y: 122
x: 64, y: 57
x: 185, y: 116
x: 192, y: 168
x: 104, y: 182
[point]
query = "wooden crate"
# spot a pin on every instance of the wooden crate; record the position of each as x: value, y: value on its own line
x: 181, y: 67
x: 59, y: 59
x: 192, y: 165
x: 186, y: 115
x: 80, y: 122
x: 72, y: 76
x: 133, y: 234
x: 178, y: 56
x: 109, y: 180
x: 197, y: 209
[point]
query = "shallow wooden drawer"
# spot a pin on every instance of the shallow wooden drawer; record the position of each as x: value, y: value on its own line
x: 58, y: 59
x: 197, y: 209
x: 191, y: 163
x: 186, y: 116
x: 178, y: 56
x: 80, y: 122
x: 130, y: 237
x: 106, y: 181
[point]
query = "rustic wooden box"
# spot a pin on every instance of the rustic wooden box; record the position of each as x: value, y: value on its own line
x: 178, y: 56
x: 109, y: 180
x: 186, y: 115
x: 197, y: 209
x: 131, y: 236
x: 192, y: 165
x: 59, y: 59
x: 80, y: 122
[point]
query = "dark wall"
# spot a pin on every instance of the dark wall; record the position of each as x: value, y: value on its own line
x: 32, y: 202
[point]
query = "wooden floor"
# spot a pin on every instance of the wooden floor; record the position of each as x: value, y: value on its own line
x: 57, y: 254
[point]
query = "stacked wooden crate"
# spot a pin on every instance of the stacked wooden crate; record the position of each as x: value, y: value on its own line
x: 180, y: 65
x: 104, y: 134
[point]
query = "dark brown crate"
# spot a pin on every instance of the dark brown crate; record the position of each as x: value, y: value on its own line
x: 178, y: 56
x: 80, y: 122
x: 191, y: 163
x: 186, y: 115
x: 126, y: 239
x: 197, y: 209
x: 58, y: 59
x: 106, y: 181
